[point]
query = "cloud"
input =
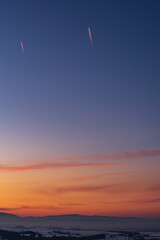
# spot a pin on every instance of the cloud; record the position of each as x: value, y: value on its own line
x: 8, y: 209
x: 123, y: 155
x: 143, y: 153
x: 105, y: 189
x: 155, y: 188
x: 137, y: 201
x: 93, y: 176
x: 143, y: 201
x: 96, y: 160
x: 88, y: 188
x: 23, y: 207
x: 55, y: 165
x: 70, y: 204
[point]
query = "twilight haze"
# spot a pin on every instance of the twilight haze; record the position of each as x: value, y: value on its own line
x: 80, y: 107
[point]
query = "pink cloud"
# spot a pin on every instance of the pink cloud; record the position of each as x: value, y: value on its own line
x: 143, y: 153
x: 56, y: 165
x: 84, y: 160
x: 93, y: 176
x: 123, y: 155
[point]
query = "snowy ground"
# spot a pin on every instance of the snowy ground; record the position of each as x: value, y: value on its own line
x: 79, y: 234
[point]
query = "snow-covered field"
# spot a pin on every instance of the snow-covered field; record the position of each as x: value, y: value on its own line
x: 67, y: 234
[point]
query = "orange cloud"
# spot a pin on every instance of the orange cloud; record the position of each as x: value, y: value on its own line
x: 136, y: 201
x: 70, y: 204
x: 30, y: 208
x: 107, y: 188
x: 88, y: 188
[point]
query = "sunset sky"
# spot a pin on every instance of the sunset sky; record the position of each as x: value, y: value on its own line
x: 80, y: 107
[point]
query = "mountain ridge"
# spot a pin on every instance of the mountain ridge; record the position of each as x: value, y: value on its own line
x: 75, y: 215
x: 81, y: 221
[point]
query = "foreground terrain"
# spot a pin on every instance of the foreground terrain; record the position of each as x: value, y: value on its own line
x: 23, y: 233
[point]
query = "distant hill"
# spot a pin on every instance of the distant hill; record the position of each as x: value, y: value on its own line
x: 7, y: 216
x: 82, y: 222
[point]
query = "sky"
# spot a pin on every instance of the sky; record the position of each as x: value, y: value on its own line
x: 80, y: 107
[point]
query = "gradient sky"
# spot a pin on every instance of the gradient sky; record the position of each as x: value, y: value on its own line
x: 79, y: 121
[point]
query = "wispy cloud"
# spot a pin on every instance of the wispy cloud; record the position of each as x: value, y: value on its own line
x: 96, y: 160
x: 143, y: 201
x: 155, y: 188
x: 70, y: 204
x: 122, y: 155
x: 143, y: 153
x: 93, y: 176
x: 56, y: 165
x: 104, y: 188
x: 88, y: 188
x: 136, y: 201
x: 23, y: 207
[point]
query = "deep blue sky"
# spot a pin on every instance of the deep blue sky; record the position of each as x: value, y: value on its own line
x: 66, y: 96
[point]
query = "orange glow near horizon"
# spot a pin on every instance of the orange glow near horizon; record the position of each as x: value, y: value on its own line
x: 83, y: 187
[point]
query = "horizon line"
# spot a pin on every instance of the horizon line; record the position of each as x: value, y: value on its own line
x: 81, y: 215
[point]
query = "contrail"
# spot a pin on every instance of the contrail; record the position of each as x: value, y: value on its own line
x: 90, y: 35
x: 22, y: 47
